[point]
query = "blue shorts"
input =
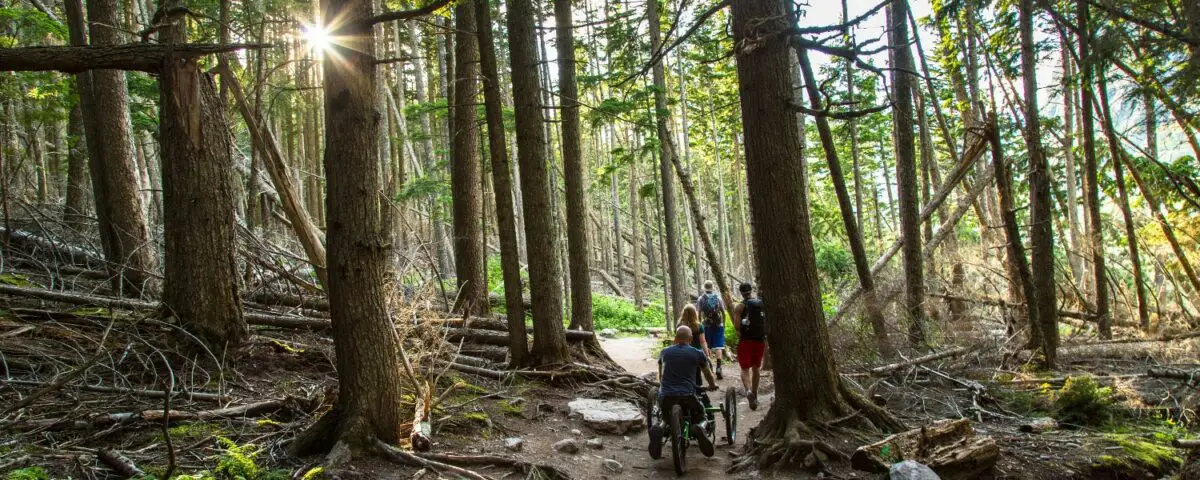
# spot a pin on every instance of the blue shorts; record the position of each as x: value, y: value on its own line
x: 715, y: 336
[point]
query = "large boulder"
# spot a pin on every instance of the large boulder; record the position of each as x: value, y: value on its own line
x: 911, y: 470
x: 608, y: 416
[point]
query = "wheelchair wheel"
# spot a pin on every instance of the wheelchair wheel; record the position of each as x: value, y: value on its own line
x: 730, y: 412
x: 678, y: 440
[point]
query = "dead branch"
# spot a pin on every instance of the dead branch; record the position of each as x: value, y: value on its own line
x: 108, y: 419
x: 119, y: 463
x: 402, y: 457
x: 885, y: 369
x: 1186, y: 443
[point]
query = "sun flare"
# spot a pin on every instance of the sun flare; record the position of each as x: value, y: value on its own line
x: 317, y: 37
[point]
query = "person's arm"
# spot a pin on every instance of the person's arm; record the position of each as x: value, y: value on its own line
x: 708, y: 374
x: 737, y: 314
x: 703, y: 342
x: 660, y: 368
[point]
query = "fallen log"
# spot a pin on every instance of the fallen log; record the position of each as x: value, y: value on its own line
x: 493, y: 337
x: 120, y: 463
x: 1193, y: 443
x: 287, y: 321
x: 287, y: 300
x: 1191, y: 378
x: 490, y: 352
x: 194, y: 396
x: 950, y: 447
x: 997, y: 302
x: 73, y: 255
x: 157, y: 415
x: 610, y: 281
x: 483, y: 372
x: 881, y: 370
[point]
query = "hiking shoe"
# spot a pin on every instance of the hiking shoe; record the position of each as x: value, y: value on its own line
x: 753, y: 398
x: 700, y: 433
x: 719, y: 376
x: 656, y: 444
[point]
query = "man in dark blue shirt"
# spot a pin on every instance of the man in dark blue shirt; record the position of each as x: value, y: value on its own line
x: 677, y: 366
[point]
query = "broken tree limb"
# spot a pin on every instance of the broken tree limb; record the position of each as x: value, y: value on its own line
x: 302, y: 223
x: 885, y: 369
x: 953, y: 178
x: 142, y: 57
x: 950, y: 447
x: 120, y: 463
x: 610, y: 281
x: 493, y: 337
x: 689, y: 192
x: 73, y: 255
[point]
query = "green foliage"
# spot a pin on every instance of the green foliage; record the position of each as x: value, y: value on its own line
x: 620, y: 314
x: 28, y: 473
x: 1082, y: 401
x: 1155, y: 456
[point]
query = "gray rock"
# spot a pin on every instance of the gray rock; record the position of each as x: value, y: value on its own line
x: 576, y: 432
x: 608, y: 416
x: 608, y: 333
x: 912, y: 470
x: 514, y: 444
x: 595, y: 443
x: 566, y: 446
x: 612, y: 466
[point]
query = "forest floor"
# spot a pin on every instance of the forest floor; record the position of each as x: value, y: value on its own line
x: 55, y: 413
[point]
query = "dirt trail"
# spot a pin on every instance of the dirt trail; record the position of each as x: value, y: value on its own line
x: 634, y: 353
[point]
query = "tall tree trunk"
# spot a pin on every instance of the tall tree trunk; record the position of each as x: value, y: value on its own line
x: 1115, y: 153
x: 573, y: 170
x: 635, y: 244
x: 1069, y: 99
x: 1091, y: 175
x: 1157, y: 209
x: 510, y: 255
x: 906, y: 174
x: 549, y: 341
x: 807, y: 382
x: 861, y: 267
x: 200, y: 283
x: 676, y: 296
x: 76, y: 209
x: 469, y: 250
x: 1041, y: 231
x: 365, y: 342
x: 104, y: 101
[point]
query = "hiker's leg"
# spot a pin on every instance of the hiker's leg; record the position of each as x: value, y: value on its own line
x: 754, y: 382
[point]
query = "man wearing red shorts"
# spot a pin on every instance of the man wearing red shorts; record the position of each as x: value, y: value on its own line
x: 752, y: 340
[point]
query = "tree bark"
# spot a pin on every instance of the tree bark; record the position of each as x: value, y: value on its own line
x: 666, y: 158
x: 574, y: 167
x: 1091, y: 175
x: 103, y: 57
x: 200, y: 283
x: 807, y: 383
x: 853, y: 233
x: 123, y: 233
x: 76, y: 205
x: 906, y: 174
x: 549, y: 343
x: 470, y: 255
x: 510, y: 255
x: 1043, y: 303
x: 365, y: 342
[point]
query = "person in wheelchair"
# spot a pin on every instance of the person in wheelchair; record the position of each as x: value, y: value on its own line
x: 678, y: 367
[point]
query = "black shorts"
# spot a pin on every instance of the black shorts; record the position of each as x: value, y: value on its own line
x: 692, y: 406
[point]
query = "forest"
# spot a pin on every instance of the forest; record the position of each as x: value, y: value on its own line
x: 301, y: 239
